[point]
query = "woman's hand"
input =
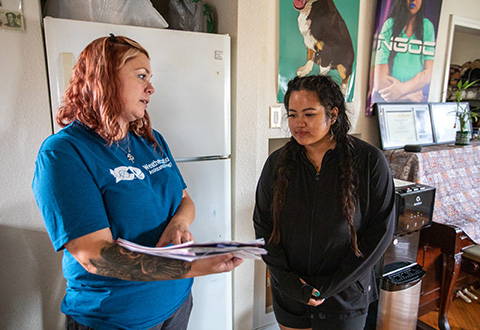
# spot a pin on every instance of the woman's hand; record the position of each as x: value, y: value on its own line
x: 213, y: 265
x: 177, y: 232
x: 394, y: 91
x: 414, y: 97
x: 315, y: 293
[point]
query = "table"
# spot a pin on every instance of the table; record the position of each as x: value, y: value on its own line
x: 455, y: 173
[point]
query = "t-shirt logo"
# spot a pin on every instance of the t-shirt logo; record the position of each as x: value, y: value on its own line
x: 157, y: 165
x: 127, y: 173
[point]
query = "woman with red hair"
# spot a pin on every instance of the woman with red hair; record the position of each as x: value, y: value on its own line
x: 108, y: 174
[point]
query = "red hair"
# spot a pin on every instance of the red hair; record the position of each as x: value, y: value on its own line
x: 92, y: 93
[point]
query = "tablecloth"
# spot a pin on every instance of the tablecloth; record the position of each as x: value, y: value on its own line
x: 455, y: 173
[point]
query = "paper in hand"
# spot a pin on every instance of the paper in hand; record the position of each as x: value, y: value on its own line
x: 191, y: 251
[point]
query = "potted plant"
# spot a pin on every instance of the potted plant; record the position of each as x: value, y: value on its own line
x: 464, y: 114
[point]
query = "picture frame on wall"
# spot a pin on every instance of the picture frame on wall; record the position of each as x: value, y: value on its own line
x: 404, y: 123
x: 445, y: 123
x: 11, y: 15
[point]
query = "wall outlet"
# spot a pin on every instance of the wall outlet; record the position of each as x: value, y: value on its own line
x: 275, y: 116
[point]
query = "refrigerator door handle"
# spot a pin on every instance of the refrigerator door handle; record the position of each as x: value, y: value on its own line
x: 201, y: 159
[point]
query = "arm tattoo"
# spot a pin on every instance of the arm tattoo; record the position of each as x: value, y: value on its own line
x: 116, y: 261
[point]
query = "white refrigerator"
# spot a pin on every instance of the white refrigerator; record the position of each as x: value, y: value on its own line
x: 191, y: 109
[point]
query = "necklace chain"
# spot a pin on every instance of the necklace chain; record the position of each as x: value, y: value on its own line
x: 128, y: 152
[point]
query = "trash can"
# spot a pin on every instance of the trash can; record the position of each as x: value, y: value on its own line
x: 400, y: 287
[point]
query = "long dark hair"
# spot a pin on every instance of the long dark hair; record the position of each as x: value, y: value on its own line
x: 330, y: 96
x: 399, y: 14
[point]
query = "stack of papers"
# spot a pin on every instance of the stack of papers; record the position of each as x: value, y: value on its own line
x: 191, y: 251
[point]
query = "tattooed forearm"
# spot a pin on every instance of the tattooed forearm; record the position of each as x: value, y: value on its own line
x: 116, y: 261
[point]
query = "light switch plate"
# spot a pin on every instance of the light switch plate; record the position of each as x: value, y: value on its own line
x: 275, y: 116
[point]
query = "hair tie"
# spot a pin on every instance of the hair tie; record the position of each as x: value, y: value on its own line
x: 113, y: 38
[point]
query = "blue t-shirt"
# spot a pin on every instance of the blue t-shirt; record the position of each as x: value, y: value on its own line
x: 83, y: 185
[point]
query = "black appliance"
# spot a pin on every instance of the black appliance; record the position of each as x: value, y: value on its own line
x: 414, y: 205
x: 398, y: 274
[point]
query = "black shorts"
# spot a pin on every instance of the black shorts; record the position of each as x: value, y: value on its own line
x: 303, y: 316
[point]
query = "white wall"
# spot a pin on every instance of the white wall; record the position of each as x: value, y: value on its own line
x: 462, y: 50
x: 467, y: 9
x: 31, y: 283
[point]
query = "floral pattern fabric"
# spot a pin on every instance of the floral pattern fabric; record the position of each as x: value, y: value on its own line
x: 455, y: 173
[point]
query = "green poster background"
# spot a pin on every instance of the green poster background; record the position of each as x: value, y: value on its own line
x: 293, y: 52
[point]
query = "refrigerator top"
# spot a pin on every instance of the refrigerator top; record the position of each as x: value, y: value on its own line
x: 191, y: 77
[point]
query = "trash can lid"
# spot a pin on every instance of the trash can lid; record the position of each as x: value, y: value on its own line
x: 403, y: 277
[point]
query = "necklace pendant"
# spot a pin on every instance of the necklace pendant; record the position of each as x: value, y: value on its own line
x: 130, y: 157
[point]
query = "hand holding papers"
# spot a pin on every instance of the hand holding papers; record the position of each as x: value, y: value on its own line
x: 192, y: 251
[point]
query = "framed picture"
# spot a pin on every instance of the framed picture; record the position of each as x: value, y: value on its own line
x: 11, y: 15
x: 445, y: 123
x: 404, y: 123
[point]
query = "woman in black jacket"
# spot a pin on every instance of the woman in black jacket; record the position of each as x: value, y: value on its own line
x: 325, y: 206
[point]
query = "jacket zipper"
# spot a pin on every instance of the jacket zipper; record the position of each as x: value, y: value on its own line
x: 317, y: 177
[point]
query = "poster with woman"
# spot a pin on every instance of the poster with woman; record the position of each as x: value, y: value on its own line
x: 403, y: 51
x: 318, y: 36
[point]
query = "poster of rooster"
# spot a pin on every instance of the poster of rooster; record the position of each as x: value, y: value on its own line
x: 318, y: 37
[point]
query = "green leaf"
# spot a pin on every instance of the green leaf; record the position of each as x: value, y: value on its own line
x: 459, y: 85
x: 468, y: 84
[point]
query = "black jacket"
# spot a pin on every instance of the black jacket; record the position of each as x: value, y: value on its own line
x: 315, y: 242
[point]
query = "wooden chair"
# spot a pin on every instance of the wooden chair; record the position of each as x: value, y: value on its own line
x: 471, y: 260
